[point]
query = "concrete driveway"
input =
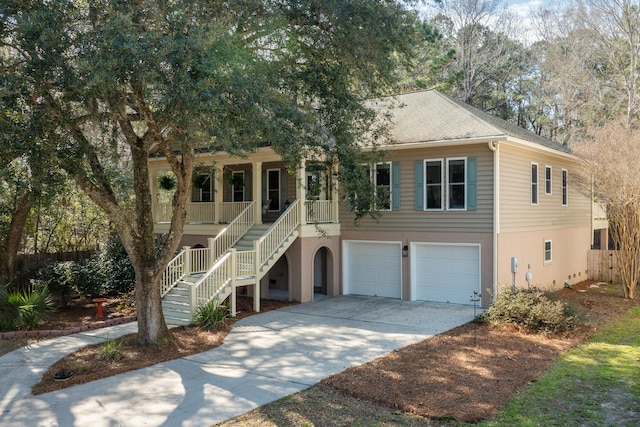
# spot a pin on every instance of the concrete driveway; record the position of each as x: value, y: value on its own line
x: 264, y: 358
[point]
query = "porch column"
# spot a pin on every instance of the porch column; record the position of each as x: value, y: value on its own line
x: 256, y: 190
x: 218, y: 189
x: 335, y: 195
x: 301, y: 190
x: 153, y: 178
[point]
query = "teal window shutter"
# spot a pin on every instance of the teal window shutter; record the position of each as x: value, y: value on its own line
x: 395, y: 186
x: 472, y: 187
x: 419, y: 190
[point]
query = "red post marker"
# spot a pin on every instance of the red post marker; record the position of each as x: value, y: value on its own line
x: 99, y: 302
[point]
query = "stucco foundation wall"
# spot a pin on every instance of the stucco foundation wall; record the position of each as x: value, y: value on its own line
x: 485, y: 240
x: 568, y: 263
x: 300, y: 257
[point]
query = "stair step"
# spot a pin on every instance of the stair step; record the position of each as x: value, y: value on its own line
x: 176, y: 321
x: 175, y: 304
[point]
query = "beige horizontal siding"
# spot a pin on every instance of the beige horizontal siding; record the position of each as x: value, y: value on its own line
x: 410, y: 219
x: 516, y: 211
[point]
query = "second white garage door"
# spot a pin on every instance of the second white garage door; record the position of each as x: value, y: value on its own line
x: 445, y: 272
x: 372, y: 268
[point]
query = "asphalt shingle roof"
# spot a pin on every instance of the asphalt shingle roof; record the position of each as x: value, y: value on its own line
x: 429, y: 115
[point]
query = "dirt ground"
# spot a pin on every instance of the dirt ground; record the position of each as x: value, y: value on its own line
x: 463, y: 375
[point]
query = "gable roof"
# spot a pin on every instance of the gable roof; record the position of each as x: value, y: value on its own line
x: 430, y: 116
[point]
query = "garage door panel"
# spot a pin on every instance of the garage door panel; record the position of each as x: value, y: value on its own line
x: 373, y: 268
x: 445, y: 273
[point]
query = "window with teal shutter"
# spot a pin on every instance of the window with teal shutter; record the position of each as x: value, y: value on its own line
x: 395, y: 186
x: 472, y: 187
x: 419, y: 186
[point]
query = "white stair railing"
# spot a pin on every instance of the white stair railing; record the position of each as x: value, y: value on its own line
x: 211, y: 284
x: 233, y: 232
x: 276, y: 235
x: 174, y: 272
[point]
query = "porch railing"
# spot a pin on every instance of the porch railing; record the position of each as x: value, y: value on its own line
x: 275, y: 236
x: 320, y: 211
x: 196, y: 212
x: 202, y: 211
x: 231, y: 210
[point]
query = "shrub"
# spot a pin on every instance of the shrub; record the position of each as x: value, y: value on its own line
x: 108, y: 272
x: 120, y: 278
x: 532, y: 310
x: 25, y: 308
x: 82, y: 277
x: 210, y: 315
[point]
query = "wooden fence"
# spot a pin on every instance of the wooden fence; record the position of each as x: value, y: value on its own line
x: 601, y: 266
x: 27, y: 264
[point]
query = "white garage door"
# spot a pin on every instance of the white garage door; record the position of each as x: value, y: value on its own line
x: 444, y: 272
x: 372, y: 268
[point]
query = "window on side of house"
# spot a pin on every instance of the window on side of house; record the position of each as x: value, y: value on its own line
x: 547, y: 180
x: 547, y: 251
x: 456, y: 184
x: 382, y: 181
x: 565, y: 187
x: 534, y: 183
x: 434, y: 182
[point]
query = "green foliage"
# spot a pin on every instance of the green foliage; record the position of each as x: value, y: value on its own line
x: 532, y: 310
x: 167, y: 181
x: 107, y: 273
x: 112, y: 349
x: 65, y: 278
x: 210, y: 315
x: 119, y: 275
x: 25, y: 308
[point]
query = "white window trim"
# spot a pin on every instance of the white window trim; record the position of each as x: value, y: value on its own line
x: 550, y: 169
x: 442, y: 184
x: 537, y: 202
x: 373, y: 175
x: 564, y: 182
x: 466, y: 180
x: 550, y: 251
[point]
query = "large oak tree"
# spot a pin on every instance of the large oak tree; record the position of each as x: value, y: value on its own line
x: 98, y: 80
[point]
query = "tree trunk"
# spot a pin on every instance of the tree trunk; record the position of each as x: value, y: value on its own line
x: 152, y: 328
x: 11, y: 245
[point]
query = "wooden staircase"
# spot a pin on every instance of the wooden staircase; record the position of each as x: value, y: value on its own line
x: 250, y: 258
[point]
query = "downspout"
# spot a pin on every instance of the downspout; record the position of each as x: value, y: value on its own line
x: 493, y: 146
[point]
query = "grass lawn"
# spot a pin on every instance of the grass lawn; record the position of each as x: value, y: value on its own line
x: 597, y: 384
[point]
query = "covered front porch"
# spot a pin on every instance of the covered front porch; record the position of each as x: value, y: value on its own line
x: 221, y: 193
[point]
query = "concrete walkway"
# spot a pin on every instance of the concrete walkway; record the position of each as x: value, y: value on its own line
x: 264, y: 358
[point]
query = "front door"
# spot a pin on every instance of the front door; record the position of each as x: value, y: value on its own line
x: 273, y: 189
x: 237, y: 188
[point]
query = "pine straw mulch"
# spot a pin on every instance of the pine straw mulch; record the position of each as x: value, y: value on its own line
x: 467, y: 373
x: 89, y: 365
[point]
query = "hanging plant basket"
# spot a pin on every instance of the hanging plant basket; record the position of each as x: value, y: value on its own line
x: 167, y: 182
x: 236, y: 180
x: 199, y: 181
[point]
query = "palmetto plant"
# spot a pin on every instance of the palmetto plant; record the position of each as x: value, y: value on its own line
x: 25, y: 308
